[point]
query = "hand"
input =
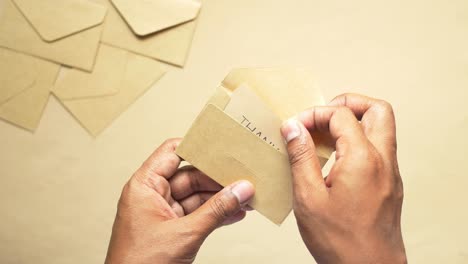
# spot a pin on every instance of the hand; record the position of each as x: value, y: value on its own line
x: 353, y: 216
x: 162, y: 216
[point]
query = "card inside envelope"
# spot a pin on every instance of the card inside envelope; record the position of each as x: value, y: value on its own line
x: 227, y: 151
x: 222, y: 148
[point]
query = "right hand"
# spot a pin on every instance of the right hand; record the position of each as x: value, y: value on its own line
x: 353, y: 216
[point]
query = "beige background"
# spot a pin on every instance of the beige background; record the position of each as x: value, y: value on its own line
x: 59, y: 186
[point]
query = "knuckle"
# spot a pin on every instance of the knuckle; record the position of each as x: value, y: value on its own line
x: 126, y: 193
x: 342, y: 98
x: 344, y: 111
x: 387, y: 191
x: 219, y: 208
x: 170, y: 141
x: 384, y: 106
x: 300, y: 153
x: 131, y: 184
x: 194, y: 181
x: 365, y: 154
x: 201, y: 200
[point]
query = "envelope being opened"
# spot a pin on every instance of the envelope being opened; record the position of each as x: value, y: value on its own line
x: 63, y: 31
x: 168, y: 26
x: 237, y: 134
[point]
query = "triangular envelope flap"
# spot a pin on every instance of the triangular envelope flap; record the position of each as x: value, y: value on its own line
x: 224, y: 150
x: 97, y: 113
x: 149, y: 16
x: 17, y: 73
x: 105, y: 79
x: 56, y: 19
x: 287, y: 91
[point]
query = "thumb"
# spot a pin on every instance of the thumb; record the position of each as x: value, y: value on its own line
x: 305, y: 166
x: 225, y: 204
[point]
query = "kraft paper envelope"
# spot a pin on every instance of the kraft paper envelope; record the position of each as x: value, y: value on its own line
x: 56, y: 19
x: 287, y: 91
x: 148, y: 16
x: 25, y: 109
x: 16, y: 73
x: 96, y: 113
x: 227, y: 151
x: 171, y: 45
x: 103, y: 80
x: 78, y: 50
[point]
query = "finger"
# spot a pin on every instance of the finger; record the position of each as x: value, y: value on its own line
x: 342, y: 125
x: 163, y: 162
x: 376, y: 116
x: 194, y: 201
x: 222, y: 206
x: 305, y: 165
x: 163, y: 188
x: 176, y: 207
x: 236, y: 218
x: 188, y: 180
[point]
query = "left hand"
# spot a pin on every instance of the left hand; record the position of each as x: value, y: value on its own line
x: 162, y: 216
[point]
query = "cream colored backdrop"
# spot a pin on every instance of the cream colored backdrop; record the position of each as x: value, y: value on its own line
x: 59, y: 186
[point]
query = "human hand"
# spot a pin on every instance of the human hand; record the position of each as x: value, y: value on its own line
x: 162, y: 216
x: 353, y: 216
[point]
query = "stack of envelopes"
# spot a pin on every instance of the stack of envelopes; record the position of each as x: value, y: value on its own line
x: 113, y: 51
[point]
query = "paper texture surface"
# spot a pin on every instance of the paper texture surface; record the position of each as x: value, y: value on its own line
x: 55, y: 19
x: 171, y: 45
x: 149, y: 16
x: 17, y: 72
x: 95, y: 114
x: 25, y: 109
x: 252, y: 113
x: 105, y: 79
x: 227, y: 151
x: 78, y: 50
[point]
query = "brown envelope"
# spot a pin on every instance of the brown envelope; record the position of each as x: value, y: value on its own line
x: 25, y: 108
x: 170, y: 45
x: 149, y: 16
x: 56, y: 19
x: 105, y: 79
x: 135, y: 75
x: 226, y: 151
x: 16, y: 73
x: 76, y: 50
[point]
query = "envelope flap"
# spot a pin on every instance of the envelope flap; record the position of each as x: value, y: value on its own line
x: 226, y: 151
x: 105, y: 79
x: 56, y: 19
x: 17, y: 72
x: 287, y: 91
x: 149, y: 16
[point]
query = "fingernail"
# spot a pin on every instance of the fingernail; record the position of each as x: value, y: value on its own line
x: 290, y: 129
x: 243, y: 190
